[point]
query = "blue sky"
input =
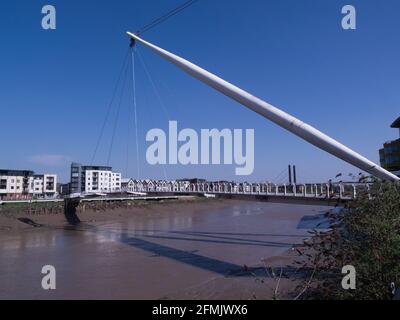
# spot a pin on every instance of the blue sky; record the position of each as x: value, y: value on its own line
x: 55, y: 85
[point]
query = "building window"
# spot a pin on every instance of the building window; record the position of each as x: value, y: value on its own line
x: 3, y: 184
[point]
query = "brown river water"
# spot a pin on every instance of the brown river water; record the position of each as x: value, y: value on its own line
x: 195, y: 253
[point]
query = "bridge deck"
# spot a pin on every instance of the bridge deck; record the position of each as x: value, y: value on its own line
x: 298, y: 199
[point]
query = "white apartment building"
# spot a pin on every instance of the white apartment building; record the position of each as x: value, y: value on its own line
x: 45, y: 185
x: 94, y: 179
x: 24, y: 184
x: 102, y: 181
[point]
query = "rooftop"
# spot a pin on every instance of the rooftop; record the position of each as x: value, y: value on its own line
x: 101, y: 168
x: 396, y: 123
x: 8, y: 172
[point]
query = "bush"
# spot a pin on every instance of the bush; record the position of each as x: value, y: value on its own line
x: 366, y: 235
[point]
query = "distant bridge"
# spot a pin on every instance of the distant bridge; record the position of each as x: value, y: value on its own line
x: 311, y: 193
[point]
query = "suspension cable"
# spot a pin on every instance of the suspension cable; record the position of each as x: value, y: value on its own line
x: 117, y: 116
x: 280, y: 176
x: 133, y: 50
x: 158, y: 95
x: 109, y: 106
x: 166, y: 16
x: 128, y: 141
x: 156, y: 92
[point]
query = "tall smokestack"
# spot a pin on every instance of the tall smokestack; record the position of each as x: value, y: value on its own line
x: 294, y: 175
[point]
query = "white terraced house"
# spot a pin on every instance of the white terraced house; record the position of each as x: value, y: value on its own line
x: 94, y: 179
x: 24, y: 184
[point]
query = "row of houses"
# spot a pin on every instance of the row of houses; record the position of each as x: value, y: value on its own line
x: 189, y: 185
x: 25, y: 184
x: 147, y: 185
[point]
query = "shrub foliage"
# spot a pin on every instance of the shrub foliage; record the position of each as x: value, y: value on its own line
x: 366, y: 235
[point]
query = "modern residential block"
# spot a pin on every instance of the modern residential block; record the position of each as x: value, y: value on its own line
x: 24, y: 184
x: 94, y: 179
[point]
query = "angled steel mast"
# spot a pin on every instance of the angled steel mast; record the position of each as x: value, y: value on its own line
x: 281, y: 118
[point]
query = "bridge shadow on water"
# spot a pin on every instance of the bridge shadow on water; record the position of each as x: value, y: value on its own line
x: 241, y: 234
x: 191, y: 258
x: 210, y: 238
x: 196, y: 260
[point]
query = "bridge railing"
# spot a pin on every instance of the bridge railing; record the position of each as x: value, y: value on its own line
x: 309, y: 190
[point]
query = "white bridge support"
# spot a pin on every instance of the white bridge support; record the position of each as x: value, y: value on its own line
x: 281, y: 118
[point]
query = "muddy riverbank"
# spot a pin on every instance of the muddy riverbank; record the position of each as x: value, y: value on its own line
x: 193, y: 249
x: 19, y: 217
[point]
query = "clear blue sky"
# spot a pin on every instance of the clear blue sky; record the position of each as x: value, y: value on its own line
x: 55, y: 85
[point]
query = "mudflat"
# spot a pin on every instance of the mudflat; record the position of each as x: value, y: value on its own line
x: 186, y: 249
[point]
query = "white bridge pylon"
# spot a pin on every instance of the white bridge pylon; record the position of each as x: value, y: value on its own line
x: 281, y: 118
